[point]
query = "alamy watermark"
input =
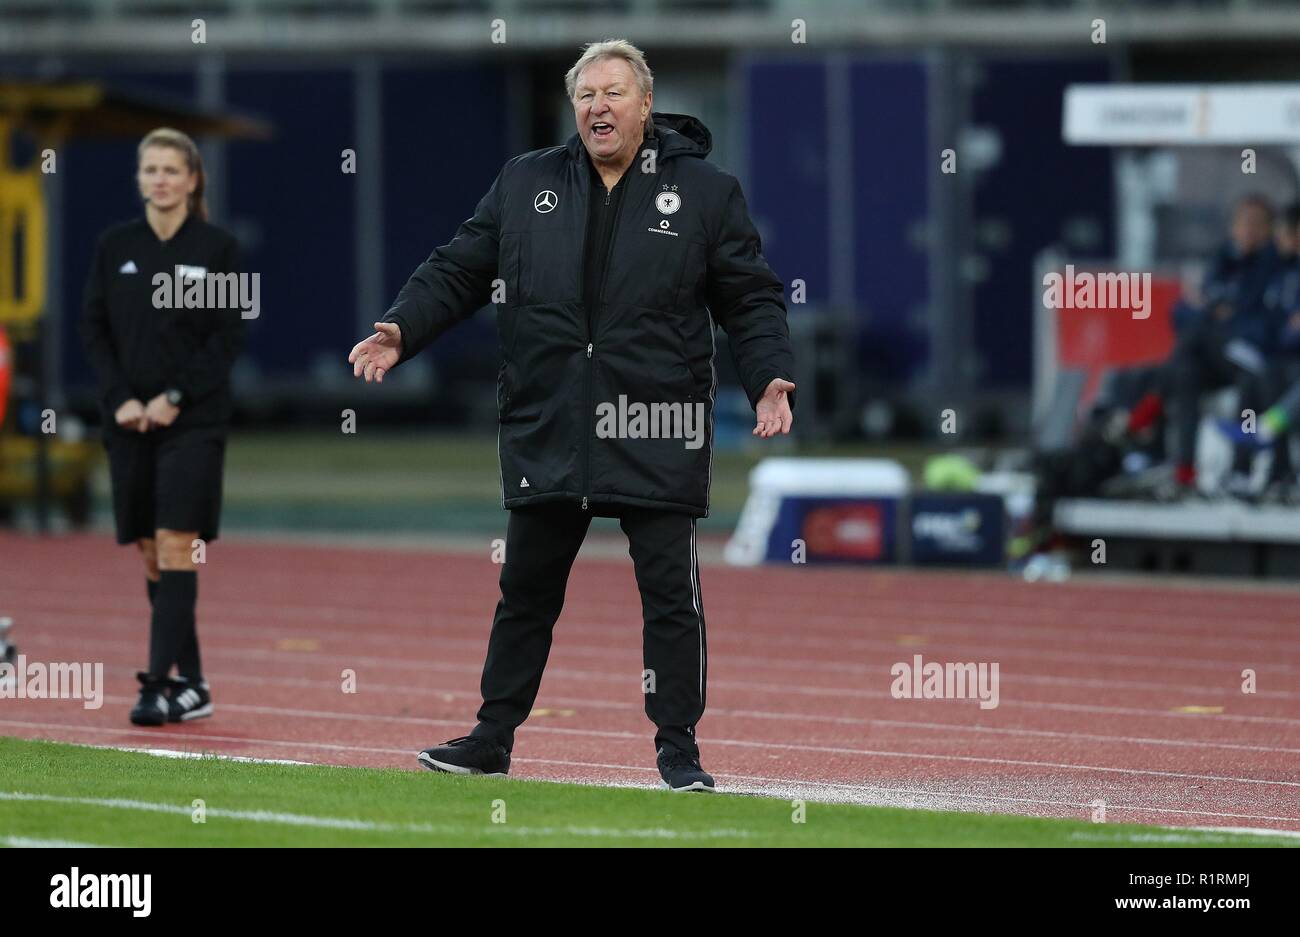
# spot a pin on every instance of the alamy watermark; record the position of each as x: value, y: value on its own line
x: 636, y: 420
x: 1109, y: 290
x: 190, y: 287
x: 933, y: 680
x: 79, y: 889
x: 34, y: 680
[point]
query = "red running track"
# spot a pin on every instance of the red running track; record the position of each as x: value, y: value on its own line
x: 1124, y: 693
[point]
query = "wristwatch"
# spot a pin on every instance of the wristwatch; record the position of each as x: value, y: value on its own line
x: 174, y: 397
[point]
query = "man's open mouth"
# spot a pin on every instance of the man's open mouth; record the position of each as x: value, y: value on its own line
x: 602, y: 129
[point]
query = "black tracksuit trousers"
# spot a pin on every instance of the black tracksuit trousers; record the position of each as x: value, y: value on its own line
x: 541, y: 544
x: 1197, y: 365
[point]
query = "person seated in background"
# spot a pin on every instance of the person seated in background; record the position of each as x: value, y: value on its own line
x: 1226, y: 340
x: 1280, y: 381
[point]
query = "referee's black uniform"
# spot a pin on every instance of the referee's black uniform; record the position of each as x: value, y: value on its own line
x: 169, y: 477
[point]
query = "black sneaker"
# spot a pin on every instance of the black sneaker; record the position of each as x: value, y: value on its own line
x: 188, y: 700
x: 467, y: 755
x: 682, y: 771
x: 9, y: 655
x: 8, y: 650
x: 152, y: 708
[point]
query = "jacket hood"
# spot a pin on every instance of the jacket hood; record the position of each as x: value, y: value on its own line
x: 678, y: 135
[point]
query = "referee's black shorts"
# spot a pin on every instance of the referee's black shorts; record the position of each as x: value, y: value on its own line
x: 168, y: 479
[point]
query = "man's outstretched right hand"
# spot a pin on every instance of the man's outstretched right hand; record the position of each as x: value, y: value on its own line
x: 377, y: 355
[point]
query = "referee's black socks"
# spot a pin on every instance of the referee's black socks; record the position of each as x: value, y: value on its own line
x: 172, y: 636
x: 188, y: 663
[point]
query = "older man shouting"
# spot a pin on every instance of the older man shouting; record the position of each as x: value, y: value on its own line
x: 609, y: 260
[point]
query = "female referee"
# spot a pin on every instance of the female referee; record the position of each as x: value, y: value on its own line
x: 164, y: 387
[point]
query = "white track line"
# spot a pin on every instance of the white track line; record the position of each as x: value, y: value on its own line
x: 1033, y: 733
x: 865, y: 583
x: 743, y: 743
x: 368, y: 826
x: 769, y: 715
x: 888, y: 647
x: 1007, y: 679
x: 994, y: 611
x: 739, y: 743
x: 424, y: 667
x: 804, y: 718
x: 588, y: 620
x: 241, y: 549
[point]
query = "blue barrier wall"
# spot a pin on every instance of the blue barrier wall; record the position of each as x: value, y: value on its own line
x: 1037, y: 185
x: 445, y: 135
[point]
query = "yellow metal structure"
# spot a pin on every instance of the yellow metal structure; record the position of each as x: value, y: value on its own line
x: 23, y: 273
x: 22, y: 225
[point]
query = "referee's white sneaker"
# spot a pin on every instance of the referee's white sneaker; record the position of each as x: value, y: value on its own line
x: 189, y: 699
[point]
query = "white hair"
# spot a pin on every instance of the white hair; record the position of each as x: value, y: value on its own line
x: 611, y: 49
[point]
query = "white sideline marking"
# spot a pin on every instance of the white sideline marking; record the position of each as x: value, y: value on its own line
x: 175, y: 753
x: 820, y: 789
x: 785, y: 789
x: 795, y: 787
x: 1148, y: 838
x: 742, y: 743
x: 1175, y: 834
x: 1179, y: 834
x: 343, y: 823
x: 26, y: 842
x: 1253, y: 831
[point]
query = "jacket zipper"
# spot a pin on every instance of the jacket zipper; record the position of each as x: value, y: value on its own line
x: 586, y: 437
x: 591, y: 343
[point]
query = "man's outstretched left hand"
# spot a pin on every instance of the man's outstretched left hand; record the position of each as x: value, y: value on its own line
x: 773, y: 410
x: 375, y: 356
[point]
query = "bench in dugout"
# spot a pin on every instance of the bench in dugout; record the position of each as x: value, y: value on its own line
x: 1077, y: 352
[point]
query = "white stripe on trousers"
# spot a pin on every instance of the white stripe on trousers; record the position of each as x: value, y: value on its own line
x: 695, y: 598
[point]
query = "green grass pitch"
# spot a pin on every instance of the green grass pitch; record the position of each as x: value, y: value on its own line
x: 52, y: 792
